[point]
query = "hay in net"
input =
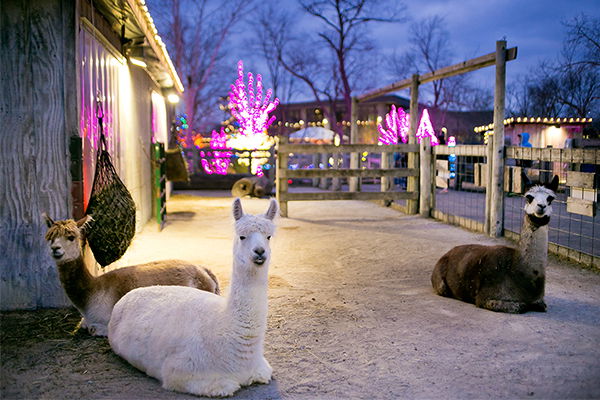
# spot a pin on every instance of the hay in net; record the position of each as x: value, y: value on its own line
x: 113, y: 211
x: 176, y: 166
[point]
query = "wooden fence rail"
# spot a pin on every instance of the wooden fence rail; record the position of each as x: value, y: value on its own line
x: 283, y: 173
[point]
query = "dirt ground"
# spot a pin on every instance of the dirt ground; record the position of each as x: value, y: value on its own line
x: 352, y: 315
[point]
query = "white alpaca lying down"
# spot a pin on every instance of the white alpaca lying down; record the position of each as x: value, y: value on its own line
x: 95, y: 297
x: 197, y: 342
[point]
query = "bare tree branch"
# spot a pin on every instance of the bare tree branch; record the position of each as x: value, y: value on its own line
x: 197, y: 34
x: 430, y: 50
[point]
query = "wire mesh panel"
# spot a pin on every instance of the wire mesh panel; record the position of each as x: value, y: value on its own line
x: 460, y: 185
x: 574, y: 229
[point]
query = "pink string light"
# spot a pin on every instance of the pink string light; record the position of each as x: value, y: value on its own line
x: 426, y: 129
x: 396, y: 122
x: 248, y: 106
x: 220, y: 159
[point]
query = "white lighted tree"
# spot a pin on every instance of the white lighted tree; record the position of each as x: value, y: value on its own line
x: 426, y: 129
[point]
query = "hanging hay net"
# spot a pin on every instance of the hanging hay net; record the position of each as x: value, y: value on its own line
x: 176, y: 167
x: 112, y: 209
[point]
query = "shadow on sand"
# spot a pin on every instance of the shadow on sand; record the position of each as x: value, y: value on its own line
x: 570, y: 311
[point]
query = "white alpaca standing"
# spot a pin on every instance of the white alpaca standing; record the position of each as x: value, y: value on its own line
x: 502, y: 278
x: 95, y: 297
x: 197, y: 342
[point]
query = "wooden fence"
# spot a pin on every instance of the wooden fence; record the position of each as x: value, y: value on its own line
x: 423, y: 197
x: 283, y: 173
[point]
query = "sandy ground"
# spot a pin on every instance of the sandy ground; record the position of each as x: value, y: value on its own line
x: 351, y: 316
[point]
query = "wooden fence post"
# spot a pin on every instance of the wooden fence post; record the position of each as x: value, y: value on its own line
x: 315, y: 161
x: 497, y: 170
x: 386, y: 182
x: 353, y: 182
x: 280, y: 176
x: 413, y: 158
x: 425, y: 178
x: 488, y: 184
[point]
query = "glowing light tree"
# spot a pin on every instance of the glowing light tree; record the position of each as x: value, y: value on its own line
x: 248, y: 106
x: 253, y: 150
x: 251, y: 110
x: 397, y: 127
x: 216, y: 162
x: 426, y: 129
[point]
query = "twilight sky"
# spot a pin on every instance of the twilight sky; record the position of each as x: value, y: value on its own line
x: 534, y: 26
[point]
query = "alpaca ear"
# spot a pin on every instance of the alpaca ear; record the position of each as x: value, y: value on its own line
x: 526, y: 180
x: 237, y: 209
x: 554, y: 184
x: 273, y: 209
x: 83, y: 222
x: 49, y: 221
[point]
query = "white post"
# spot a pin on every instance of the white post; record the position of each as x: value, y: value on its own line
x: 488, y: 183
x: 336, y: 183
x: 353, y: 182
x: 425, y: 178
x: 281, y: 164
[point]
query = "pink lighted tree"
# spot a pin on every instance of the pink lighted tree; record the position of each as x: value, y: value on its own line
x: 219, y: 160
x: 397, y: 127
x: 248, y: 106
x: 426, y: 129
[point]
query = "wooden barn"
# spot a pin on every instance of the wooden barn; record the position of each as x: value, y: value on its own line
x: 59, y: 59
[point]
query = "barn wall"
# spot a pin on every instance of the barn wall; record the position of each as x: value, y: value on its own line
x: 136, y: 130
x: 38, y: 117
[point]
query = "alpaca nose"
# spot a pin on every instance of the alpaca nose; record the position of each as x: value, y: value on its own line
x: 54, y: 247
x: 259, y: 250
x: 542, y: 207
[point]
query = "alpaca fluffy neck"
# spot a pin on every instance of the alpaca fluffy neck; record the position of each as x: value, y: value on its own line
x: 247, y: 302
x: 77, y: 281
x: 534, y: 243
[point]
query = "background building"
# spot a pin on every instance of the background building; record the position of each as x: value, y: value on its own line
x: 460, y: 124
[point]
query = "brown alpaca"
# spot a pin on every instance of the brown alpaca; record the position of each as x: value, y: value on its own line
x: 502, y: 278
x: 95, y: 297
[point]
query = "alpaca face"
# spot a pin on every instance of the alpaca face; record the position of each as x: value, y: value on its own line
x: 65, y: 249
x: 539, y: 199
x: 253, y: 235
x: 65, y: 239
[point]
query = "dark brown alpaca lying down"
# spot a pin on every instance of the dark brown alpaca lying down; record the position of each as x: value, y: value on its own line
x: 502, y: 278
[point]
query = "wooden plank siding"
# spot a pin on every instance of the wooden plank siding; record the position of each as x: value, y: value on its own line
x: 477, y: 150
x: 459, y: 221
x: 576, y: 156
x: 585, y: 180
x: 39, y: 114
